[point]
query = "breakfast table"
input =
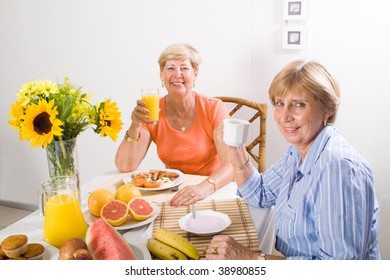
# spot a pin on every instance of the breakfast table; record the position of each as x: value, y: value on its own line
x: 224, y: 199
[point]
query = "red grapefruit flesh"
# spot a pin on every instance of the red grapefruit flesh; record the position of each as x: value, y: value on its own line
x: 115, y: 212
x: 140, y: 209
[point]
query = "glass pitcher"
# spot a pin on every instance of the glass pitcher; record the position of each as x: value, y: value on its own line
x: 60, y: 207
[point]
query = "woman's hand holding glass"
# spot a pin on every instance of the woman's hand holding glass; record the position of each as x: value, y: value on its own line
x: 147, y: 108
x: 140, y: 113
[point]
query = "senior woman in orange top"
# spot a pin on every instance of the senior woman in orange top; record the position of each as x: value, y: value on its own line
x: 188, y: 134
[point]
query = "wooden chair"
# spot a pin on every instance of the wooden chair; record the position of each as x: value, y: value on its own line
x: 260, y: 111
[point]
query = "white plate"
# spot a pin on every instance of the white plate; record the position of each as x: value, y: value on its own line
x: 177, y: 181
x: 141, y: 252
x: 130, y: 222
x: 51, y: 252
x: 208, y: 222
x: 34, y: 235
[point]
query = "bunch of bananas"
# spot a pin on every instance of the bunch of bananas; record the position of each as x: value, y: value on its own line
x: 167, y: 245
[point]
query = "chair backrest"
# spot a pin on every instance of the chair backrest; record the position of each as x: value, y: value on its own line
x: 260, y: 111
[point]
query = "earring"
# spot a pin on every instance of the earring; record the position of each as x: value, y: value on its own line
x: 193, y: 85
x: 325, y: 122
x: 162, y: 83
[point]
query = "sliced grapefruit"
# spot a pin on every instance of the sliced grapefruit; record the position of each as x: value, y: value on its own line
x: 127, y: 192
x: 115, y: 212
x: 140, y: 209
x: 98, y: 199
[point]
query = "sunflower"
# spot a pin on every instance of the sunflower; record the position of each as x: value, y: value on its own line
x: 40, y: 123
x: 16, y: 113
x: 108, y: 123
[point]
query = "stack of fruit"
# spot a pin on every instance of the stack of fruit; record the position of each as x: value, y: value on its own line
x: 167, y: 245
x: 115, y: 208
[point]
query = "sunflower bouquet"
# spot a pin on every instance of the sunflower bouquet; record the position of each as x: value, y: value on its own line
x: 46, y: 113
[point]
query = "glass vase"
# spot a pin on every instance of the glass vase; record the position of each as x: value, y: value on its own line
x: 62, y: 160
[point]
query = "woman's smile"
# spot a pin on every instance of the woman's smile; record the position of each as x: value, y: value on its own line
x: 177, y: 83
x: 290, y: 130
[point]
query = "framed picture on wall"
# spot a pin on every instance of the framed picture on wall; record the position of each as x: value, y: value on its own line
x: 294, y: 38
x: 294, y: 10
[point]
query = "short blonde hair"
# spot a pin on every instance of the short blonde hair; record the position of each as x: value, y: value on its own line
x: 180, y: 52
x: 310, y: 77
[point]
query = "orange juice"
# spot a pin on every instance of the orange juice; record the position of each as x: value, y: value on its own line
x: 63, y: 220
x: 152, y: 101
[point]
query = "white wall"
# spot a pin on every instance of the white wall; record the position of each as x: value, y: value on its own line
x: 111, y: 48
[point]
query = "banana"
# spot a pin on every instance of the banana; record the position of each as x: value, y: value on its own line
x: 176, y: 241
x: 163, y: 251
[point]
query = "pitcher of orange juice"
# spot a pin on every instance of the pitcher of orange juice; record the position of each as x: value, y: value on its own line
x: 59, y: 204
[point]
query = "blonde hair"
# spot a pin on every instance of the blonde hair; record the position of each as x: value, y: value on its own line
x: 180, y: 52
x: 312, y: 78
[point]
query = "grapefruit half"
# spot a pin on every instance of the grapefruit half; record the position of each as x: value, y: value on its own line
x: 140, y: 209
x: 115, y: 212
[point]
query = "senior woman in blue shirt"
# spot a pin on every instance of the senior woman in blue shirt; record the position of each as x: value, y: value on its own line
x: 322, y: 188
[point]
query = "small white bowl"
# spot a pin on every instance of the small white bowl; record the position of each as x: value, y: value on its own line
x: 207, y: 222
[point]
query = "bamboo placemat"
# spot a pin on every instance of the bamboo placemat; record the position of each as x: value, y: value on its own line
x: 242, y: 227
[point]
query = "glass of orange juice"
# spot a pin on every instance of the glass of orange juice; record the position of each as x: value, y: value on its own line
x: 152, y: 99
x: 59, y: 204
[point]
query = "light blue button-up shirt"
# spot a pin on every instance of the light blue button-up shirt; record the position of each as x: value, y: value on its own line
x: 325, y: 207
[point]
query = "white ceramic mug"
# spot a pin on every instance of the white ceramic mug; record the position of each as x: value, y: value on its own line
x: 235, y: 132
